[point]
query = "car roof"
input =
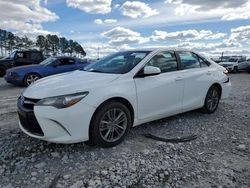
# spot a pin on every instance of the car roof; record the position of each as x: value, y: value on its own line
x: 28, y: 51
x: 158, y: 49
x: 61, y: 57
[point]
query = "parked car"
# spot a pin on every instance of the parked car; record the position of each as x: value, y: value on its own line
x: 235, y: 64
x: 248, y: 65
x: 26, y: 75
x: 102, y: 102
x: 20, y: 58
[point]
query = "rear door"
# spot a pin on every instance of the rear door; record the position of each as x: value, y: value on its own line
x: 197, y: 76
x: 160, y: 95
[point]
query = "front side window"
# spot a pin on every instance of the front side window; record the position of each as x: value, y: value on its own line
x: 21, y: 55
x: 166, y: 61
x: 189, y: 60
x: 66, y: 61
x: 118, y: 63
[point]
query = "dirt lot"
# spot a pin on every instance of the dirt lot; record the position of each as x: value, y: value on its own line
x: 220, y: 157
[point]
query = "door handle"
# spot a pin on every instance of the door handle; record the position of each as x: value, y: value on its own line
x: 178, y: 78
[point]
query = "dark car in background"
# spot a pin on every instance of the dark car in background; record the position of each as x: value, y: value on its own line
x: 248, y: 65
x: 20, y: 58
x: 26, y: 75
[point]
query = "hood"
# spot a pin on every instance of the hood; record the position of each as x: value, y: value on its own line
x: 67, y: 83
x: 3, y: 61
x: 227, y: 63
x: 25, y: 67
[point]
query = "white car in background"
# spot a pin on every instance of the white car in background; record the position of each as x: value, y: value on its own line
x: 101, y: 103
x: 235, y: 64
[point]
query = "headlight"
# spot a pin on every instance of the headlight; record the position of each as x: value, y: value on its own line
x: 62, y: 101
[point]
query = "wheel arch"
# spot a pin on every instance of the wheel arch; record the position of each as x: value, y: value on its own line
x: 122, y: 100
x: 4, y: 66
x: 26, y: 74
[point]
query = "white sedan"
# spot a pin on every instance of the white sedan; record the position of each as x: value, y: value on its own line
x: 102, y: 102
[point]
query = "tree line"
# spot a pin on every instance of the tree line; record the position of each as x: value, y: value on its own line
x: 49, y: 44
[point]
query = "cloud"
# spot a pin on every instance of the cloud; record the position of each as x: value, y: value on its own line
x: 241, y: 34
x: 186, y: 35
x: 91, y: 6
x: 25, y: 16
x: 119, y: 36
x: 137, y: 9
x: 98, y: 21
x: 94, y: 50
x: 204, y: 5
x: 227, y: 10
x: 106, y: 21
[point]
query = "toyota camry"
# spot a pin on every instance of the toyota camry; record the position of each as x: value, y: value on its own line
x: 100, y: 103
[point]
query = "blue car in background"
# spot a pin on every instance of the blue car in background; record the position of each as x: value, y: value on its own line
x: 26, y: 75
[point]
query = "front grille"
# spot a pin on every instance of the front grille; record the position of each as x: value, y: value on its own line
x: 27, y: 117
x: 29, y: 103
x: 30, y: 124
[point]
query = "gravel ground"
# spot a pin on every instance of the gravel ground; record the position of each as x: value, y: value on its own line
x: 220, y: 157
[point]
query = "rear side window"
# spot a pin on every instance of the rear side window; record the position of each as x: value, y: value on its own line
x: 22, y: 55
x: 35, y: 56
x: 189, y: 60
x: 166, y: 61
x: 67, y: 61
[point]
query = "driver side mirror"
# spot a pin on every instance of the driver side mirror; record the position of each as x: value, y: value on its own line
x: 149, y: 71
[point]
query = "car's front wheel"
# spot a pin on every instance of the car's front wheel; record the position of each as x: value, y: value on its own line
x: 31, y: 78
x: 212, y: 100
x: 110, y: 124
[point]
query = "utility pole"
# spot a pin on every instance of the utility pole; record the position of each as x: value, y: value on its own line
x: 98, y: 52
x: 222, y: 56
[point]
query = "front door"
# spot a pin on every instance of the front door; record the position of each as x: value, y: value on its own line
x: 65, y: 65
x: 160, y: 95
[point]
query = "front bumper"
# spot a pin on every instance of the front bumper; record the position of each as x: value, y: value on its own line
x: 226, y: 89
x: 14, y: 80
x: 68, y: 125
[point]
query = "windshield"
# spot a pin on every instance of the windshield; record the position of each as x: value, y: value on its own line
x: 233, y: 60
x: 118, y: 63
x: 12, y: 55
x: 48, y: 61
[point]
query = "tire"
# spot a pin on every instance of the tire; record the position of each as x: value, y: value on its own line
x: 2, y: 71
x: 212, y: 98
x: 235, y: 70
x: 105, y: 131
x: 30, y: 78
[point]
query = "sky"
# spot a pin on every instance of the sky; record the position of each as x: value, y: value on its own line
x: 206, y: 26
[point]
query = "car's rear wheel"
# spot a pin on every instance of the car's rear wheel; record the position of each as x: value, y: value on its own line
x: 31, y: 78
x: 110, y: 124
x: 212, y: 100
x: 2, y: 71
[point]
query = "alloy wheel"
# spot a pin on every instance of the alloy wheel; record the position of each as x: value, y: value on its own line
x: 213, y: 99
x: 113, y: 125
x: 31, y: 78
